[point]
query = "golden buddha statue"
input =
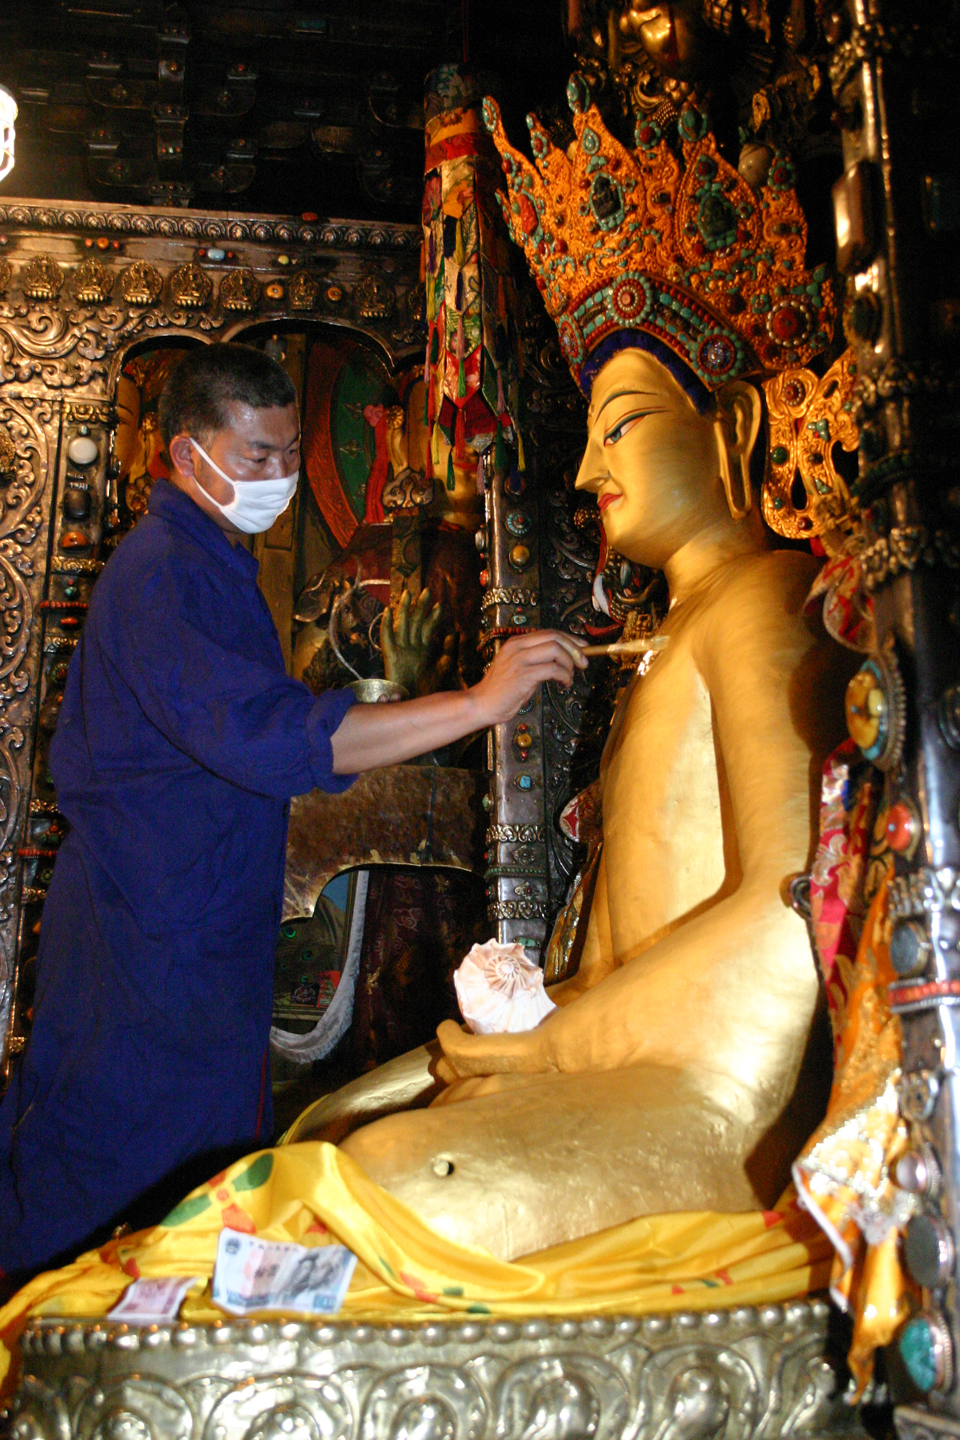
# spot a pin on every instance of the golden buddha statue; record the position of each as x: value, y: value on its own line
x: 682, y: 1068
x: 452, y: 501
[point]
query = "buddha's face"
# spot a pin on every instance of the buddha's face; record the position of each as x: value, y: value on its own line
x: 651, y: 460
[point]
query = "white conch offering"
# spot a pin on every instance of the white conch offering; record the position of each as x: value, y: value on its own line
x: 499, y: 989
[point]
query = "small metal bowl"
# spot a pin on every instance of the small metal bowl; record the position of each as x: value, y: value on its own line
x: 377, y: 692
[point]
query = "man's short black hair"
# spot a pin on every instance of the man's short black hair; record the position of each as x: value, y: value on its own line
x: 197, y: 396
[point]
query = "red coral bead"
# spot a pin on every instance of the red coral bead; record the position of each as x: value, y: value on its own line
x: 528, y: 216
x: 787, y: 323
x: 901, y: 827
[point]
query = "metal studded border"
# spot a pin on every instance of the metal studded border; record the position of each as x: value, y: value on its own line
x: 733, y: 1375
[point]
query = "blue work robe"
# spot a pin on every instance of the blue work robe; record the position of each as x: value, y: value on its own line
x: 179, y: 742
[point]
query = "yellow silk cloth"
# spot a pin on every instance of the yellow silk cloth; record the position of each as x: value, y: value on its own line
x: 845, y: 1172
x: 313, y: 1194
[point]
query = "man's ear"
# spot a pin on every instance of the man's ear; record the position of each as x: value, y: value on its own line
x: 182, y: 454
x: 739, y: 410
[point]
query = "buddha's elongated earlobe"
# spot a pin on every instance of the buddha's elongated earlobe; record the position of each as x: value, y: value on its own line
x: 735, y: 479
x: 736, y: 427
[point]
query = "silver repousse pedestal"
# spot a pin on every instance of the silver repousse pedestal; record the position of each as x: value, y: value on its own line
x: 722, y: 1375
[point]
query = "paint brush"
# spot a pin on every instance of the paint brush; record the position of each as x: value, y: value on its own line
x: 627, y: 647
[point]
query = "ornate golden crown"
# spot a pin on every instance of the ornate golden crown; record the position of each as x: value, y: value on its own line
x: 679, y: 247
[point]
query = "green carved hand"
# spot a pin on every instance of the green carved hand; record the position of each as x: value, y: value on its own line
x: 406, y: 639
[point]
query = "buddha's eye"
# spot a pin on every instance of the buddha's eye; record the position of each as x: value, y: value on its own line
x: 623, y: 426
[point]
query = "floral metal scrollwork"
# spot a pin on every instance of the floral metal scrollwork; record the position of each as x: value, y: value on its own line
x: 27, y: 424
x: 808, y: 419
x: 137, y: 1408
x: 746, y: 1374
x: 282, y: 1407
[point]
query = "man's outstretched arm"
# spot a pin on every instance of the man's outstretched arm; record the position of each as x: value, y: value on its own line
x: 373, y: 735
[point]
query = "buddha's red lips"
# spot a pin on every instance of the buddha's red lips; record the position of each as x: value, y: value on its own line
x: 608, y: 499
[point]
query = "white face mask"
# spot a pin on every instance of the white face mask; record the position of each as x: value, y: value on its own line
x: 256, y: 503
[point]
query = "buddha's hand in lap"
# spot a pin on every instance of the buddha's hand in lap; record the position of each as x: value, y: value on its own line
x: 469, y: 1055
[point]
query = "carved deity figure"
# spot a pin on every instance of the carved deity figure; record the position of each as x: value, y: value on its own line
x: 139, y: 446
x: 681, y: 1069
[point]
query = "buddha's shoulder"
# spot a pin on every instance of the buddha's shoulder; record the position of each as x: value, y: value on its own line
x: 755, y: 611
x: 772, y: 583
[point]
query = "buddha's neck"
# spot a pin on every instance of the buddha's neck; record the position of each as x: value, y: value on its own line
x: 690, y: 567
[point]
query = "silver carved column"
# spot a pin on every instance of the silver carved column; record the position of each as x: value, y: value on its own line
x: 516, y: 838
x: 29, y: 433
x: 898, y: 212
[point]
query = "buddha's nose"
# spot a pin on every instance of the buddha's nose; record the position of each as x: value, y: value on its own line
x: 592, y: 470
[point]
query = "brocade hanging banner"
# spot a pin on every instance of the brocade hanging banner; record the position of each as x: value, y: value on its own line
x: 472, y: 352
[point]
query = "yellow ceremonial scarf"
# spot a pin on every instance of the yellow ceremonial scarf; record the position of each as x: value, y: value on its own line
x: 313, y: 1194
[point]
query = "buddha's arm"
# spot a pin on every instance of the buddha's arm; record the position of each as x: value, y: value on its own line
x: 705, y: 996
x: 597, y: 957
x: 731, y: 990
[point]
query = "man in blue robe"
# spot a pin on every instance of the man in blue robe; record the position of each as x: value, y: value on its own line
x: 180, y: 741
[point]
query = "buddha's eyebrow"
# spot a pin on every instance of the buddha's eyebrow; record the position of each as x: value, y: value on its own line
x: 618, y: 395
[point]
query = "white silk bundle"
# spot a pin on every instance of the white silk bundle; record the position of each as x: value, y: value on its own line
x: 500, y: 990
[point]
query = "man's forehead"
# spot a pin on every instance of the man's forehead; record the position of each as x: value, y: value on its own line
x: 268, y: 425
